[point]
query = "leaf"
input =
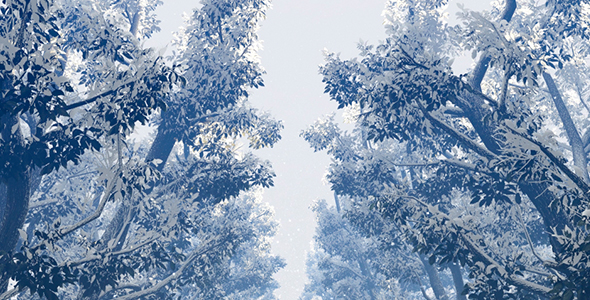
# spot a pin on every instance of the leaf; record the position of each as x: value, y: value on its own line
x: 432, y: 259
x: 23, y: 234
x: 46, y: 169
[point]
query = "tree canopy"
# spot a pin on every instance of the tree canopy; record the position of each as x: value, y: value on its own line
x: 87, y: 212
x: 486, y: 169
x: 449, y: 185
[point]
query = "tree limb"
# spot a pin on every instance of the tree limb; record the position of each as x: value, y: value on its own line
x: 482, y: 65
x: 466, y: 141
x: 116, y: 253
x: 9, y: 294
x: 99, y: 209
x: 95, y: 98
x: 571, y: 175
x: 573, y: 136
x: 154, y: 289
x: 463, y: 234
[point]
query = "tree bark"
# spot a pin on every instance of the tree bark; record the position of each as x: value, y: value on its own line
x: 2, y: 201
x: 435, y: 283
x: 540, y: 196
x: 457, y: 280
x: 16, y: 178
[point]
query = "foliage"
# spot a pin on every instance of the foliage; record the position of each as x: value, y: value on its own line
x: 470, y: 166
x: 344, y: 264
x: 77, y: 83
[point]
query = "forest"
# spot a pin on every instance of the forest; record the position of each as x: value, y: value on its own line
x: 445, y: 185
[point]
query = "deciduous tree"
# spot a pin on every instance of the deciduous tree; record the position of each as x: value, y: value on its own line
x: 487, y: 135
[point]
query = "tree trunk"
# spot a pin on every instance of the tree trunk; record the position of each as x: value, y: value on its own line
x: 16, y: 178
x: 2, y: 201
x: 457, y: 280
x: 435, y: 283
x: 540, y: 196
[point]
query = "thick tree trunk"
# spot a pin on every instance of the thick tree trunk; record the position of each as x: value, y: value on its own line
x: 435, y: 283
x: 2, y: 201
x: 16, y: 179
x: 17, y: 206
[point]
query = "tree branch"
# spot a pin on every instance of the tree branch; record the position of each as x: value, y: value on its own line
x: 484, y: 257
x: 95, y: 98
x: 454, y: 111
x: 99, y: 209
x: 196, y: 254
x: 504, y: 93
x: 9, y: 294
x: 571, y: 175
x: 573, y: 136
x: 482, y: 65
x: 466, y: 141
x: 530, y: 242
x: 116, y: 253
x: 42, y: 203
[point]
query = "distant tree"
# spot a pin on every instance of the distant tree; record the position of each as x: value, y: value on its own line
x: 76, y: 82
x: 502, y: 136
x: 357, y: 172
x: 345, y: 265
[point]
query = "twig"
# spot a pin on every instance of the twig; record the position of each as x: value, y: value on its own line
x: 99, y: 209
x: 117, y: 253
x: 172, y: 276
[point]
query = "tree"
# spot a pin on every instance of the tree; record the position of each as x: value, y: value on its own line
x: 345, y: 265
x: 77, y: 82
x: 357, y: 172
x: 486, y: 135
x: 34, y: 85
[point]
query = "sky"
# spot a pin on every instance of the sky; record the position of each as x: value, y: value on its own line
x: 294, y: 35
